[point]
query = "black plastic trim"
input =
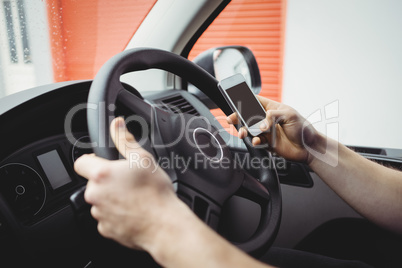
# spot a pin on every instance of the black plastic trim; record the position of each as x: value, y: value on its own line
x: 204, y: 26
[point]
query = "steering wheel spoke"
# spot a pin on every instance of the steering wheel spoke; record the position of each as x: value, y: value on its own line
x: 253, y: 190
x: 206, y: 209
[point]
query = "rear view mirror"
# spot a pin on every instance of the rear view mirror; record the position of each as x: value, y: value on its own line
x: 222, y: 62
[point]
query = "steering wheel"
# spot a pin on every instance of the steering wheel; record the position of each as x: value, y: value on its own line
x: 213, y: 176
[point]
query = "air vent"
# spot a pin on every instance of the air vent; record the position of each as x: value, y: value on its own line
x: 178, y: 104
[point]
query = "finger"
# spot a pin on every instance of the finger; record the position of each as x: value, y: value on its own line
x: 264, y: 125
x: 242, y: 133
x: 96, y: 214
x: 256, y: 141
x: 232, y: 119
x: 122, y: 138
x: 104, y: 229
x: 263, y: 139
x: 91, y: 167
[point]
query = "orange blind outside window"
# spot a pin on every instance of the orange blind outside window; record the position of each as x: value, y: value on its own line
x: 85, y: 34
x: 258, y: 25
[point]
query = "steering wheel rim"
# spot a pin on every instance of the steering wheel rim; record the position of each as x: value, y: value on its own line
x: 105, y: 91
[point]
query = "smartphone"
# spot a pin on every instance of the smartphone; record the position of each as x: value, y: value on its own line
x: 243, y: 101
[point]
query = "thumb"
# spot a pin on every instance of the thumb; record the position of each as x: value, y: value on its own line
x: 122, y: 138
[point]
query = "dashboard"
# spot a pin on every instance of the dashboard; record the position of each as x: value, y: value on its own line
x: 36, y: 166
x: 37, y: 178
x: 36, y: 174
x: 43, y: 131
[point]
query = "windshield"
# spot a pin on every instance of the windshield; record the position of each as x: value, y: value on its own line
x: 42, y: 42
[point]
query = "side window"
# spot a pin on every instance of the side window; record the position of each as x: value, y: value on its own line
x: 15, y: 47
x: 258, y: 25
x: 15, y: 23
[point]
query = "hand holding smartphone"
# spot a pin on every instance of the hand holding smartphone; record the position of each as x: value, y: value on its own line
x: 243, y: 101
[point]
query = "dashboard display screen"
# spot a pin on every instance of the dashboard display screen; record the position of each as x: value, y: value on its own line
x: 54, y: 169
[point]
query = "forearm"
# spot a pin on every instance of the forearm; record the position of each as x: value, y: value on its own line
x: 371, y: 189
x: 185, y: 241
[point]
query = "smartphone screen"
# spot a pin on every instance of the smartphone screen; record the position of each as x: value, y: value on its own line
x: 246, y: 103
